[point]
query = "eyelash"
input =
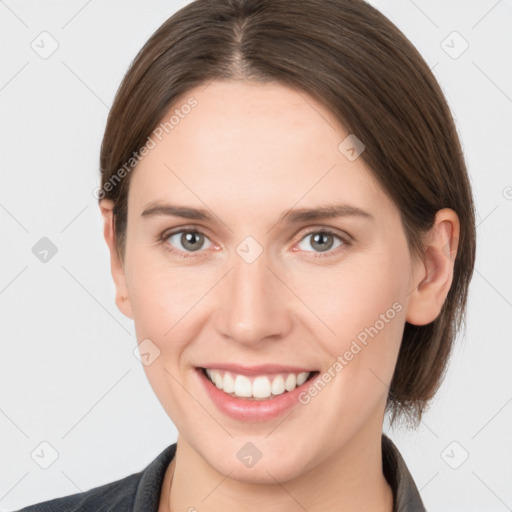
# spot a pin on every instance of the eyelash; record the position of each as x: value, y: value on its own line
x: 162, y: 239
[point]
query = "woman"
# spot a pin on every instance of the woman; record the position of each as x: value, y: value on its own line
x: 260, y: 131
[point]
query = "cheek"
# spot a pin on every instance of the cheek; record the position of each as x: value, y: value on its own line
x: 365, y: 312
x: 359, y: 322
x: 365, y: 290
x: 162, y: 300
x: 161, y: 292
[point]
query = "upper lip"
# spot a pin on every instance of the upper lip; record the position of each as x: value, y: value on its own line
x: 261, y: 369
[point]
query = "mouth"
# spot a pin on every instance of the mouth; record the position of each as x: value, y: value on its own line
x: 257, y: 387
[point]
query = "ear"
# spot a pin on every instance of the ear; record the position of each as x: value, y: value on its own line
x: 116, y: 266
x: 432, y: 278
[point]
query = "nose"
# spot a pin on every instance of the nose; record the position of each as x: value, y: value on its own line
x: 255, y: 304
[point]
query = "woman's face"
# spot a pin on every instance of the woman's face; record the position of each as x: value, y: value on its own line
x: 254, y: 284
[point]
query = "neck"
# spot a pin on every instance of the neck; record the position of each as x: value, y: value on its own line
x: 349, y: 480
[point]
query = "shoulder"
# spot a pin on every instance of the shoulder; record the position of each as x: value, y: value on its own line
x: 405, y: 492
x: 110, y: 496
x: 138, y: 491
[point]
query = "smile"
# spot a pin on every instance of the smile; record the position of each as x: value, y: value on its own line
x: 258, y: 386
x: 256, y: 393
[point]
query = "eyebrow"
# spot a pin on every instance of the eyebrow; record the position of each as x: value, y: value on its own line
x: 291, y: 216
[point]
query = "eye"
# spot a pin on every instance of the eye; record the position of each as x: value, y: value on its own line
x: 324, y: 240
x: 185, y: 242
x: 190, y: 240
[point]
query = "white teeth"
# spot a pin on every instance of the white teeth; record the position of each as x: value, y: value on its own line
x: 242, y: 386
x: 278, y: 385
x: 217, y: 379
x: 301, y: 378
x: 228, y: 384
x: 260, y: 387
x: 291, y: 382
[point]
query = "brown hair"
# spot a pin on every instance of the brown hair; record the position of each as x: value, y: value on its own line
x: 357, y: 63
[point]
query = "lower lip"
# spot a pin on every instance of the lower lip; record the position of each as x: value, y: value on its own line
x: 252, y: 410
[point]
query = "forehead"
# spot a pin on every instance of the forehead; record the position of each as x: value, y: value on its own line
x: 251, y: 145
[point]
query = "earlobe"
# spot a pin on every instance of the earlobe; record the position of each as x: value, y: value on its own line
x: 122, y: 299
x: 432, y: 278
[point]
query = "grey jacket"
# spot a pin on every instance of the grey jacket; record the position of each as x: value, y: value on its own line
x: 140, y: 492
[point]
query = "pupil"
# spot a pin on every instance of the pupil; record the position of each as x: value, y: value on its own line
x: 190, y: 238
x: 318, y: 237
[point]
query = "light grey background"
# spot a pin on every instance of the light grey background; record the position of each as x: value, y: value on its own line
x: 68, y: 376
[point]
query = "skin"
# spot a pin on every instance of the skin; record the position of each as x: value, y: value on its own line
x: 247, y: 153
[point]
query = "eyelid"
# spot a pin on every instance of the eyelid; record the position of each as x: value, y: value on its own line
x: 192, y: 228
x: 309, y: 230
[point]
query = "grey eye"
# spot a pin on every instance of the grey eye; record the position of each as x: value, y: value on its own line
x: 321, y: 241
x: 191, y: 241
